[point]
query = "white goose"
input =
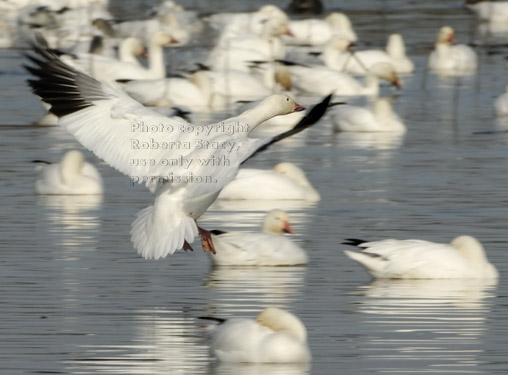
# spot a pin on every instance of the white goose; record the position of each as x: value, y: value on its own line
x: 108, y: 70
x: 463, y: 258
x: 451, y: 59
x: 318, y: 32
x: 501, y: 104
x: 275, y: 336
x: 195, y: 93
x: 189, y: 164
x: 318, y: 80
x: 72, y: 176
x: 337, y: 55
x: 267, y: 248
x: 285, y: 181
x: 381, y: 118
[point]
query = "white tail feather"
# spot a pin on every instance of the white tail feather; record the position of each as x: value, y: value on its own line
x: 160, y: 231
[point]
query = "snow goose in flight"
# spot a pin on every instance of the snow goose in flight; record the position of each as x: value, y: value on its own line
x: 463, y: 258
x: 72, y: 176
x: 187, y: 164
x: 266, y: 248
x: 275, y: 336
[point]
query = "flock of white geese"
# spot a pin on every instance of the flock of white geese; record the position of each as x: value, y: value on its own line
x: 97, y: 93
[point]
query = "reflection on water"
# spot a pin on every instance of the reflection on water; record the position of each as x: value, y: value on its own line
x: 439, y: 324
x: 262, y: 369
x: 376, y: 141
x: 232, y: 289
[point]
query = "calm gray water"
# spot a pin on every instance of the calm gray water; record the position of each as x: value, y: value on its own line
x: 76, y: 298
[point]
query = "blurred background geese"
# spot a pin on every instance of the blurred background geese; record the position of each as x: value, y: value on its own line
x: 275, y: 336
x: 266, y: 248
x: 379, y: 118
x: 72, y: 176
x: 447, y: 58
x: 463, y: 258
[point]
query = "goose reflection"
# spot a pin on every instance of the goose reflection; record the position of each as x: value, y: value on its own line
x: 73, y: 220
x: 261, y: 369
x: 232, y: 289
x: 429, y: 322
x: 376, y: 141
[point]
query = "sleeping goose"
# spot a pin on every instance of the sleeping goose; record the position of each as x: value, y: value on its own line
x: 286, y: 181
x: 72, y: 176
x: 186, y: 164
x: 380, y: 118
x: 463, y: 258
x: 267, y: 248
x: 275, y: 336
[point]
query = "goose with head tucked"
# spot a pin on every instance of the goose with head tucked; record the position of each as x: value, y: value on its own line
x: 266, y: 248
x: 187, y: 165
x: 275, y: 336
x: 380, y: 118
x: 320, y: 31
x: 286, y: 181
x: 449, y: 58
x: 71, y: 176
x: 463, y: 258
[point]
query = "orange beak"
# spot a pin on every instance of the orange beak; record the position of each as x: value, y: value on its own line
x: 144, y: 53
x: 289, y: 32
x: 299, y: 108
x: 287, y: 228
x: 397, y: 84
x: 452, y: 39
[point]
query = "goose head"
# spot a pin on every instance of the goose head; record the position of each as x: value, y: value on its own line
x: 277, y: 222
x: 339, y: 43
x: 161, y: 39
x: 132, y: 46
x: 275, y: 27
x: 282, y: 76
x: 71, y: 165
x: 471, y: 249
x: 445, y: 36
x: 281, y: 320
x: 387, y: 72
x: 297, y: 174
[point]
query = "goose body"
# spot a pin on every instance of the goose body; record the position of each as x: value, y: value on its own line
x: 447, y: 58
x: 381, y: 118
x: 195, y: 93
x: 463, y: 258
x: 318, y: 32
x: 275, y: 336
x: 286, y: 181
x: 266, y: 248
x: 501, y: 104
x: 318, y: 80
x: 71, y: 176
x: 180, y: 161
x: 337, y: 56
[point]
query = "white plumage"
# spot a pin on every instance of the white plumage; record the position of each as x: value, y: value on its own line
x: 285, y: 181
x: 267, y: 248
x: 72, y: 176
x: 275, y: 336
x: 463, y: 258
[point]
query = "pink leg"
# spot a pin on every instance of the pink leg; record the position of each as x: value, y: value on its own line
x: 206, y: 240
x: 187, y: 247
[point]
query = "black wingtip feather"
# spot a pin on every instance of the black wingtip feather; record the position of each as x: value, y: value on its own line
x: 310, y: 119
x: 217, y: 232
x: 59, y: 85
x: 353, y: 242
x: 218, y: 320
